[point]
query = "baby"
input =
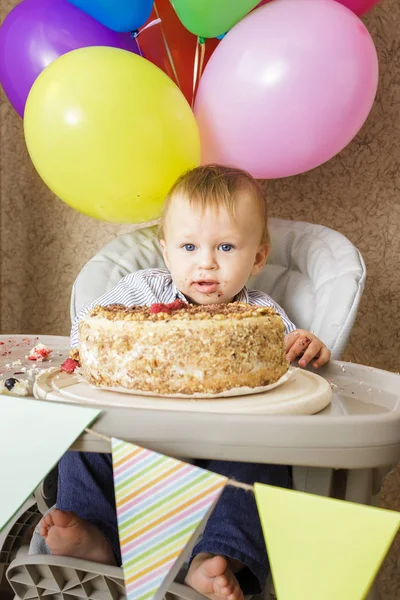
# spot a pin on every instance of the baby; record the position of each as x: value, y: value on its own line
x: 214, y: 236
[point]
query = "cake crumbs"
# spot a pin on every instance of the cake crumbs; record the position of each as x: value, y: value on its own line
x: 39, y: 353
x: 20, y: 388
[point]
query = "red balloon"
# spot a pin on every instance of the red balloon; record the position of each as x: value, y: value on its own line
x: 360, y: 7
x: 169, y: 42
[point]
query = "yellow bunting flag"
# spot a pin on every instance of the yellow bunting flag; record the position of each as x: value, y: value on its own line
x: 161, y: 504
x: 320, y: 548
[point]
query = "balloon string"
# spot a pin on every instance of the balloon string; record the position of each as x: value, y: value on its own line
x: 198, y: 64
x: 202, y: 56
x: 195, y: 70
x: 171, y: 60
x: 135, y: 34
x: 139, y: 47
x: 151, y: 24
x: 232, y: 482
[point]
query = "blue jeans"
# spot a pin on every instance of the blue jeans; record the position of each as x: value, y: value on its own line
x: 233, y: 530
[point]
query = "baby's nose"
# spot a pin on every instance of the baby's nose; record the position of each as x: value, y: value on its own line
x: 208, y: 260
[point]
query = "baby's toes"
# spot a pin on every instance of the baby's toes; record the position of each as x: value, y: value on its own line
x: 224, y: 591
x: 48, y: 519
x: 45, y: 524
x: 226, y: 585
x: 222, y: 581
x: 236, y: 594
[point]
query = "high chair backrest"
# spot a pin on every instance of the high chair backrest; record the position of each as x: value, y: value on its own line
x: 316, y: 274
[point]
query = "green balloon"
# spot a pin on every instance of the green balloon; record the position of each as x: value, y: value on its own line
x: 211, y: 18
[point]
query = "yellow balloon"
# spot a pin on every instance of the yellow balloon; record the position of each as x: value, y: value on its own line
x: 109, y: 133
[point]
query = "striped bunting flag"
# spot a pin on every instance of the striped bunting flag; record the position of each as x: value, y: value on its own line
x: 161, y: 503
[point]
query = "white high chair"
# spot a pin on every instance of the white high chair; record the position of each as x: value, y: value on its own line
x: 316, y: 274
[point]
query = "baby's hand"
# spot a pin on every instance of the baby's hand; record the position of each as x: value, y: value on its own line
x: 301, y: 343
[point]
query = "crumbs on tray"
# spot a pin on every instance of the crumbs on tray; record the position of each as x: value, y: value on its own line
x: 14, y: 387
x: 40, y: 352
x: 12, y: 384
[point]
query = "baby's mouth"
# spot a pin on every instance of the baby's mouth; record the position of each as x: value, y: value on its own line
x: 205, y: 286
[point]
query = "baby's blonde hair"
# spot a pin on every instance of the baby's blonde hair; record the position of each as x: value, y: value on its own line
x: 215, y: 186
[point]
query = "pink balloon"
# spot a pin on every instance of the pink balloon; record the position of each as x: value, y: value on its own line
x: 287, y: 88
x: 359, y: 7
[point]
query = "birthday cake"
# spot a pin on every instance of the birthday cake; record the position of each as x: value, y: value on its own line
x: 182, y: 348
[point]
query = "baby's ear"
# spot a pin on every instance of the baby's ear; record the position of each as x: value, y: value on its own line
x: 164, y: 252
x: 260, y: 258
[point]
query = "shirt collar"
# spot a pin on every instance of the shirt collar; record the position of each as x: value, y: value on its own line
x: 242, y: 296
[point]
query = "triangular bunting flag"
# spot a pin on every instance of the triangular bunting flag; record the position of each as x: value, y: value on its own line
x: 161, y: 504
x: 321, y: 548
x: 25, y: 457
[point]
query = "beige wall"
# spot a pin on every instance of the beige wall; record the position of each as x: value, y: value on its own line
x: 44, y: 243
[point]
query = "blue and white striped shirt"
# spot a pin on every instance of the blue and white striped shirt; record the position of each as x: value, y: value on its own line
x: 150, y: 286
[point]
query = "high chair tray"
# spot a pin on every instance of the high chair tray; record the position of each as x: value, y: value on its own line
x: 304, y: 393
x: 359, y: 429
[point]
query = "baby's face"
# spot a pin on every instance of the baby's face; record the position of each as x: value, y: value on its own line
x: 210, y: 255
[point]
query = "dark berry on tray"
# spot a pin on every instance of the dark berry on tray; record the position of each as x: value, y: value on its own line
x: 10, y: 382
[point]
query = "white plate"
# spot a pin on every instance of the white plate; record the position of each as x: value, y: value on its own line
x: 304, y: 394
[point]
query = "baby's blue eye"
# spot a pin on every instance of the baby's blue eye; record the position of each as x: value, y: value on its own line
x: 226, y: 247
x: 189, y: 247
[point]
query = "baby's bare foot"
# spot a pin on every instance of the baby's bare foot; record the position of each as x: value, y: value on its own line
x: 68, y: 535
x: 213, y: 577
